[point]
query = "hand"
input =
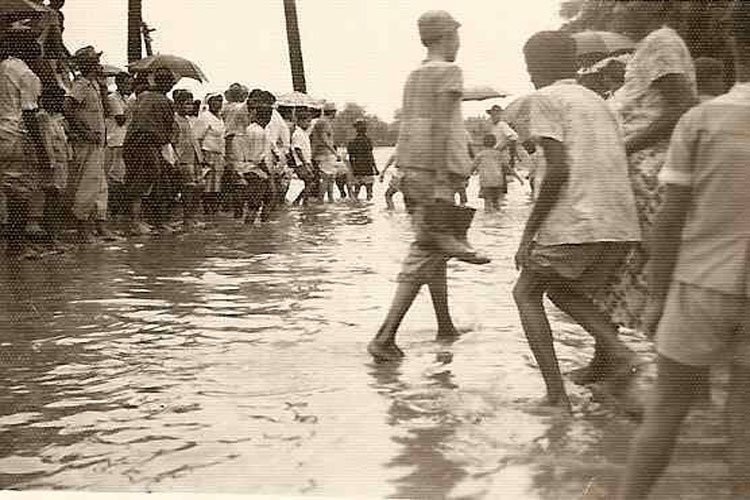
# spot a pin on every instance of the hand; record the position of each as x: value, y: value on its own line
x: 522, y: 255
x: 652, y: 315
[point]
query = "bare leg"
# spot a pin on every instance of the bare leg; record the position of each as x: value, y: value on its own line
x: 383, y: 347
x: 615, y: 357
x: 438, y: 286
x: 389, y: 198
x: 528, y: 297
x: 674, y: 393
x: 738, y: 424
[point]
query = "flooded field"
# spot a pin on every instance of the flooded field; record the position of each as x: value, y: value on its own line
x: 232, y: 359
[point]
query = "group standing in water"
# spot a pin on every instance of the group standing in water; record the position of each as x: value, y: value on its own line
x: 639, y: 219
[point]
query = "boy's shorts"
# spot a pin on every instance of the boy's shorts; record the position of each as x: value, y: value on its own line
x: 491, y: 192
x: 701, y: 327
x: 587, y: 266
x: 395, y: 182
x: 422, y: 187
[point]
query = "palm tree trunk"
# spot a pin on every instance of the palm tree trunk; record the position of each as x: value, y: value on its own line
x: 135, y: 19
x: 295, y: 46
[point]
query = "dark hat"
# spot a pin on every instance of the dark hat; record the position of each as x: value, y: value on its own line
x: 434, y: 25
x: 87, y: 54
x: 236, y: 92
x: 359, y: 123
x: 494, y: 109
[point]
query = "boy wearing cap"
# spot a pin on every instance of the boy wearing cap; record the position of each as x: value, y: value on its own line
x: 85, y: 112
x: 584, y: 222
x: 433, y: 154
x: 699, y: 277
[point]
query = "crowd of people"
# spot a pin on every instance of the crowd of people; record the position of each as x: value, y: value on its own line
x: 639, y: 218
x: 639, y: 187
x: 132, y: 160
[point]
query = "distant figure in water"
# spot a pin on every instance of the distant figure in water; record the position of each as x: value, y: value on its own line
x: 433, y: 154
x: 362, y: 161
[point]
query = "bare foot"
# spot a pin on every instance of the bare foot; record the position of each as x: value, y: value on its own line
x: 549, y: 405
x: 590, y: 374
x: 619, y: 375
x: 450, y: 334
x: 383, y: 352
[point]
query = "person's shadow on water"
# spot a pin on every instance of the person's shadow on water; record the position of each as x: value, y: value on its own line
x: 423, y: 425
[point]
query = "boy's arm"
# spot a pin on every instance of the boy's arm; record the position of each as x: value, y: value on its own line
x: 665, y: 239
x: 444, y: 105
x: 664, y: 248
x: 34, y: 127
x: 549, y: 192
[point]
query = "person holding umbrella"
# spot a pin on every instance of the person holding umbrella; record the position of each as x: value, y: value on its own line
x: 147, y: 168
x: 660, y: 85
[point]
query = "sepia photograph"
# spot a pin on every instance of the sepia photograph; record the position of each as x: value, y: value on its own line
x: 374, y: 249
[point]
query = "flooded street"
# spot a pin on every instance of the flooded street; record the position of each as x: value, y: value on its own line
x: 233, y: 359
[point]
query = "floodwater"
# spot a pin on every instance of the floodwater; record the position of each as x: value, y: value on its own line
x: 232, y: 360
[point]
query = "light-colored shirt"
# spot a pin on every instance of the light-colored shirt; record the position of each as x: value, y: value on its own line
x: 118, y: 106
x: 489, y: 164
x: 596, y: 203
x: 279, y: 140
x: 257, y: 144
x: 210, y: 130
x: 710, y: 153
x: 415, y: 140
x: 89, y: 109
x: 321, y: 138
x: 186, y: 146
x: 256, y: 152
x: 20, y: 90
x: 236, y: 118
x: 638, y: 103
x: 301, y: 141
x: 56, y: 145
x: 504, y: 135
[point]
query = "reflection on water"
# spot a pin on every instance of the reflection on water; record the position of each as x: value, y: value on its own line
x: 233, y: 360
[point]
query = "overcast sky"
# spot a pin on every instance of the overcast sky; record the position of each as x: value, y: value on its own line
x: 354, y: 50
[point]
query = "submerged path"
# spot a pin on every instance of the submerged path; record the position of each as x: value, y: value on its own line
x: 233, y: 360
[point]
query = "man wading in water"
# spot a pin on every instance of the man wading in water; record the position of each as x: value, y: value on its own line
x: 584, y: 221
x: 433, y: 154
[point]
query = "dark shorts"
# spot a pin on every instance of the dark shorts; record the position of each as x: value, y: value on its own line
x: 492, y: 193
x: 142, y: 165
x: 586, y: 265
x: 258, y: 191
